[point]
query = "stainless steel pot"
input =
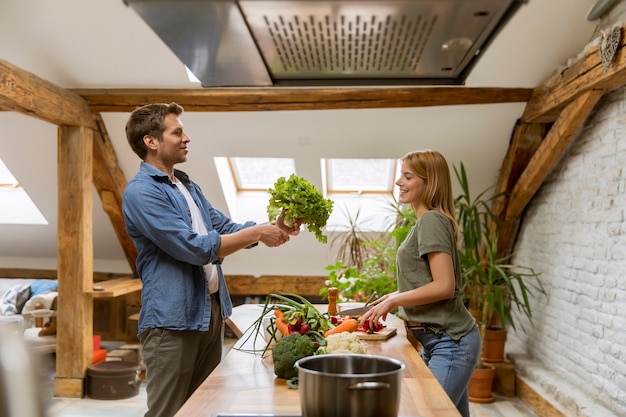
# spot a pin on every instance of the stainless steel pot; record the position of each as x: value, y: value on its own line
x: 339, y: 385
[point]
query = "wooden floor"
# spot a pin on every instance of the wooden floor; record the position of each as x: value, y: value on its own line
x: 136, y: 406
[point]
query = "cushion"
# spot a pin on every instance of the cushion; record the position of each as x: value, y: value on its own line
x: 40, y: 286
x: 7, y: 283
x: 45, y: 299
x: 14, y: 299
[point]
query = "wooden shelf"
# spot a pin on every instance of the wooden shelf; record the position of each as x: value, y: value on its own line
x: 116, y: 287
x: 267, y: 284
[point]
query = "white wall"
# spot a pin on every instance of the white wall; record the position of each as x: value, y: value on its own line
x: 574, y: 233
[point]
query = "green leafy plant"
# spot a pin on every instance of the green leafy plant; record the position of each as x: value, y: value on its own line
x: 378, y: 274
x: 301, y: 200
x: 344, y: 278
x: 371, y: 266
x: 294, y: 309
x: 405, y: 218
x: 350, y: 244
x: 492, y: 285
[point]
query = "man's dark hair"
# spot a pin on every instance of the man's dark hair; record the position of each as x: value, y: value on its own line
x: 148, y: 120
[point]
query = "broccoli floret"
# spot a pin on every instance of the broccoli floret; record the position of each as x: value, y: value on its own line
x: 287, y: 351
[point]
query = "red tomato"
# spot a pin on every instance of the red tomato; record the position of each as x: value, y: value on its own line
x: 367, y: 328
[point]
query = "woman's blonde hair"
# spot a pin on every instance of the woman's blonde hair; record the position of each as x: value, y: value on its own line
x: 433, y: 168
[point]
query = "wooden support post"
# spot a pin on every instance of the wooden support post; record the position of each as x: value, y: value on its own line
x: 75, y: 260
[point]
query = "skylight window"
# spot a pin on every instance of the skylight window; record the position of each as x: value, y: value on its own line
x: 16, y: 207
x: 245, y: 182
x: 360, y: 175
x: 259, y: 174
x: 363, y: 192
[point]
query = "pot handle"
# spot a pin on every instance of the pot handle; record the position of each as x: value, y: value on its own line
x: 370, y: 385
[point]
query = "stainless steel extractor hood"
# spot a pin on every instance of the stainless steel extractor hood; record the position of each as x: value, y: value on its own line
x: 259, y: 43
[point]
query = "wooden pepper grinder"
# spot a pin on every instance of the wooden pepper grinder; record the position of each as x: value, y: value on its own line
x: 332, y: 301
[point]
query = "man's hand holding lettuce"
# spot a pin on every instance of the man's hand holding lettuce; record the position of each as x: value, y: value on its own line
x: 300, y: 200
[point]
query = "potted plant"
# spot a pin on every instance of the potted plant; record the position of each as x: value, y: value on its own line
x: 492, y: 285
x: 366, y: 264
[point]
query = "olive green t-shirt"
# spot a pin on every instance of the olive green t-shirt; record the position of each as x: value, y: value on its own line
x: 432, y: 233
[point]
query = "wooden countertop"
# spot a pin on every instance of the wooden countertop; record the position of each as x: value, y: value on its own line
x: 245, y: 383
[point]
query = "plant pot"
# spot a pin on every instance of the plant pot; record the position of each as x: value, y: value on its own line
x: 493, y: 345
x: 481, y: 383
x: 504, y: 382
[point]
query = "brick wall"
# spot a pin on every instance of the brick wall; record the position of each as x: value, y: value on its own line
x: 574, y: 233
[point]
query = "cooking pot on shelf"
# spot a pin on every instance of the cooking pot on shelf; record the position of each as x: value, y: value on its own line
x: 349, y: 385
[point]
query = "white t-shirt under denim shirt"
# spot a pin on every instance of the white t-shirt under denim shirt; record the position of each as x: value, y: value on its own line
x: 197, y: 224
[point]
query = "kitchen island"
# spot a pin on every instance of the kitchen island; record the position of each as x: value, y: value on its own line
x: 244, y: 382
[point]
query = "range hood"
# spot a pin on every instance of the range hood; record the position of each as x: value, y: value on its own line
x: 259, y: 43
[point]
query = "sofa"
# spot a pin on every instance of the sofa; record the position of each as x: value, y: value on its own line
x: 28, y: 304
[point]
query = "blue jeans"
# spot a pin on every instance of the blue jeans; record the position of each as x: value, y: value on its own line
x: 452, y: 362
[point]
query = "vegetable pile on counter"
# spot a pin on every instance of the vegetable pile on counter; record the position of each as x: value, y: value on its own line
x: 301, y: 200
x: 293, y: 313
x: 297, y: 329
x: 287, y: 352
x: 343, y: 342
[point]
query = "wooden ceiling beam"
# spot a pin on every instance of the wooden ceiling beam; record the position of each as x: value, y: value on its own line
x: 565, y: 99
x: 25, y: 93
x: 528, y: 161
x: 563, y: 132
x: 267, y: 99
x: 525, y: 140
x: 110, y: 182
x: 549, y: 99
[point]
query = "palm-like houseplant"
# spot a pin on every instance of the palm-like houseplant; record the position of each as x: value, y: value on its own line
x: 493, y: 286
x: 366, y: 264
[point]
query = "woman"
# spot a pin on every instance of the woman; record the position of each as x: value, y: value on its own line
x: 429, y: 296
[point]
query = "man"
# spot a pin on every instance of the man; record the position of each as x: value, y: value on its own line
x: 181, y: 241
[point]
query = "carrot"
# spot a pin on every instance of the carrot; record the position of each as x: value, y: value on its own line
x: 281, y: 323
x: 348, y: 325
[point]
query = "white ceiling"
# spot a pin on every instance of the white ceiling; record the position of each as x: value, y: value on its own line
x: 104, y: 44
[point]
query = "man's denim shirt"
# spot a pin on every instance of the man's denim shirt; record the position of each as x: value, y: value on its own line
x: 171, y: 255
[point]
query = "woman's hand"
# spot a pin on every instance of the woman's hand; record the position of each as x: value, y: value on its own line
x: 380, y: 309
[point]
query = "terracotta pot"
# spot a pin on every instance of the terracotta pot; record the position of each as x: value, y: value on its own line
x: 493, y: 347
x: 481, y: 383
x: 504, y: 381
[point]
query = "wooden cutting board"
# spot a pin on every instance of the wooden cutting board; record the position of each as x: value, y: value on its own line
x: 384, y: 334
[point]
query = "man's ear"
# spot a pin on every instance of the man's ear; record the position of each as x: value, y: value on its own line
x: 150, y: 141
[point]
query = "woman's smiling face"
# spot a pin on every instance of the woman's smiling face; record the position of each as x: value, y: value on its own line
x: 411, y: 186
